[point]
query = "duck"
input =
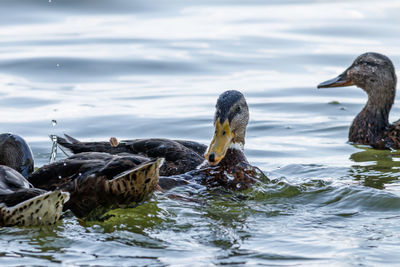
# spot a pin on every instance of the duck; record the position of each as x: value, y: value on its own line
x: 222, y: 163
x: 20, y: 203
x: 16, y: 153
x: 23, y: 205
x: 375, y: 74
x: 98, y: 182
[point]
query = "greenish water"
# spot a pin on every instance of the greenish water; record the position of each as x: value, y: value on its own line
x: 134, y: 69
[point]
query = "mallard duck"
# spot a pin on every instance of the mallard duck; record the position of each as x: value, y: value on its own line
x: 23, y: 205
x: 222, y: 164
x: 98, y: 182
x: 180, y: 156
x: 15, y: 153
x: 375, y: 74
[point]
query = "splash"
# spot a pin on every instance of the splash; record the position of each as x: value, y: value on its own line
x: 53, y: 153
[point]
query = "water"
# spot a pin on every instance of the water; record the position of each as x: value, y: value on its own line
x: 134, y: 69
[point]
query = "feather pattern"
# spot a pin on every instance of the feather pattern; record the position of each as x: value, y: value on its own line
x: 98, y: 182
x: 23, y: 205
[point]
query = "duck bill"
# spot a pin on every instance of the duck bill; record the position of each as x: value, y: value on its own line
x: 340, y: 81
x: 220, y: 143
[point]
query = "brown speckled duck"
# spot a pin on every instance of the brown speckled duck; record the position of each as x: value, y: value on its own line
x: 375, y: 74
x: 225, y: 165
x: 20, y: 203
x: 23, y: 205
x: 98, y: 182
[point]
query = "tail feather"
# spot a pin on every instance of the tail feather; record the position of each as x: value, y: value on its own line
x: 137, y: 184
x: 64, y: 142
x: 41, y: 210
x: 71, y: 139
x: 73, y: 145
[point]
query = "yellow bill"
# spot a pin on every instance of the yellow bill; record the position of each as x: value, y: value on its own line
x: 220, y: 143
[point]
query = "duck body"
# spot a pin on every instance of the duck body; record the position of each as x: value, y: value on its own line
x: 180, y: 156
x: 182, y: 166
x: 23, y: 205
x: 233, y: 172
x: 223, y: 163
x: 98, y: 182
x: 375, y: 74
x: 16, y: 153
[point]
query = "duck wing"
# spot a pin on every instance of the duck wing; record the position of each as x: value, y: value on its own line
x: 99, y: 182
x: 11, y: 180
x: 42, y: 209
x: 21, y: 204
x: 180, y: 156
x: 196, y: 147
x: 392, y: 137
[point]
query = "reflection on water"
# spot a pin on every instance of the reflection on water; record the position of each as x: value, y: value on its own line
x: 134, y: 69
x: 376, y: 168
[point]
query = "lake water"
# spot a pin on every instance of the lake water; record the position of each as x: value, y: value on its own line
x: 134, y: 69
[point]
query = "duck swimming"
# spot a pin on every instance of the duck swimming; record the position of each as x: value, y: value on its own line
x: 23, y: 205
x: 20, y: 203
x: 375, y: 74
x: 16, y: 153
x: 98, y: 182
x: 222, y: 164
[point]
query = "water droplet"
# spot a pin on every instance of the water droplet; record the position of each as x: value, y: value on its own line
x: 229, y: 176
x: 238, y: 186
x: 58, y: 65
x: 65, y: 164
x: 53, y: 153
x: 80, y: 174
x: 53, y: 122
x: 59, y: 177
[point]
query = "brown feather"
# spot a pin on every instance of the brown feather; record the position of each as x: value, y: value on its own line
x: 99, y: 182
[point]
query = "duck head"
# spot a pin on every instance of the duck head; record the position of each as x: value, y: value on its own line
x: 372, y: 72
x: 230, y: 121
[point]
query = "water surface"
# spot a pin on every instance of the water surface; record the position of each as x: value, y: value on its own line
x: 134, y: 69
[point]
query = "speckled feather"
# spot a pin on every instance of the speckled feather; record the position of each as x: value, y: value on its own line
x: 44, y: 209
x: 21, y: 204
x: 98, y: 182
x: 233, y: 172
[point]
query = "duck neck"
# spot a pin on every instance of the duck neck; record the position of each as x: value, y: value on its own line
x: 370, y: 124
x: 234, y: 155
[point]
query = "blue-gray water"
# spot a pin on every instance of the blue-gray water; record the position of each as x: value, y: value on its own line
x: 135, y: 69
